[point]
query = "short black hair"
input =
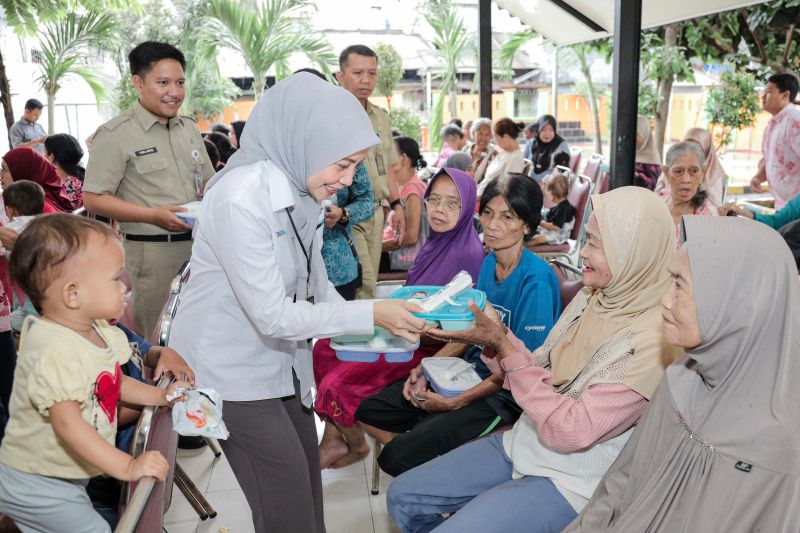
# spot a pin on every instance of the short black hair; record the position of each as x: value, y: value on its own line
x: 313, y: 71
x: 522, y: 194
x: 33, y: 103
x: 220, y: 127
x: 785, y: 82
x: 457, y: 121
x: 358, y: 49
x: 561, y: 159
x: 67, y: 152
x: 409, y: 147
x: 144, y: 56
x: 25, y: 197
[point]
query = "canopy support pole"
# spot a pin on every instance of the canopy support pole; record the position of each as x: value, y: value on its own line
x: 485, y: 56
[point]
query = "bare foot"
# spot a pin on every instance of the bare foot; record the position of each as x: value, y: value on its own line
x: 331, y: 451
x: 352, y: 456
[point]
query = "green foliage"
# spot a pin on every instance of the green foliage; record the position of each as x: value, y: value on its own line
x: 406, y: 122
x: 732, y: 104
x: 266, y: 33
x: 767, y: 33
x: 26, y: 16
x: 64, y: 45
x: 660, y: 62
x: 648, y: 99
x: 504, y: 59
x: 451, y: 41
x: 209, y: 93
x: 390, y: 69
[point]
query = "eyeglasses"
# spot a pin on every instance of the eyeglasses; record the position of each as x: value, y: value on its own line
x: 679, y: 172
x: 447, y: 205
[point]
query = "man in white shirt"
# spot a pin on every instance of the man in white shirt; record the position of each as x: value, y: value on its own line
x: 780, y: 165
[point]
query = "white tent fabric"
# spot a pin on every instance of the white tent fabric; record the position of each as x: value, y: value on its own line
x: 562, y: 28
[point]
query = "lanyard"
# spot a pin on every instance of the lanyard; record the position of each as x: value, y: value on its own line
x: 307, y: 255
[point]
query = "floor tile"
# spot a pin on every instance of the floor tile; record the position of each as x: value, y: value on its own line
x: 198, y: 465
x: 222, y: 477
x: 179, y: 509
x: 347, y: 508
x: 181, y: 527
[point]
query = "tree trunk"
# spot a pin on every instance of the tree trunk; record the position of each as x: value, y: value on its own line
x: 664, y: 92
x: 5, y: 95
x: 593, y: 103
x: 51, y: 111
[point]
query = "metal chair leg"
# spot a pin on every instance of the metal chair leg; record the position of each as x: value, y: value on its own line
x: 376, y: 470
x: 193, y: 495
x: 212, y: 444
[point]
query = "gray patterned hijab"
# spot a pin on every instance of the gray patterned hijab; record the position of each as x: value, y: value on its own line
x: 302, y: 124
x: 718, y: 447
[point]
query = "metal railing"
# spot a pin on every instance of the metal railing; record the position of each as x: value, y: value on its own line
x: 137, y: 502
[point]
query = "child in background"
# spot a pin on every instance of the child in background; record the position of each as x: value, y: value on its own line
x: 68, y: 381
x: 23, y: 200
x: 557, y: 224
x: 561, y: 159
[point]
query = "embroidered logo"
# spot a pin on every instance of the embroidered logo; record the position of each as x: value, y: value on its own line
x: 280, y: 233
x: 743, y: 466
x: 147, y: 151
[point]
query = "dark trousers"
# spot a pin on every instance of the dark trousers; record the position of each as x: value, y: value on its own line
x: 422, y: 436
x: 8, y: 362
x: 348, y: 290
x: 272, y: 449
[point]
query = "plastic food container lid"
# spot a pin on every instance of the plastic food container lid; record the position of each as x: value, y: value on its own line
x: 192, y: 211
x: 394, y: 349
x: 459, y: 311
x: 449, y: 376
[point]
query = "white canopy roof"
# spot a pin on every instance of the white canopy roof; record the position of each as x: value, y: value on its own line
x: 563, y: 28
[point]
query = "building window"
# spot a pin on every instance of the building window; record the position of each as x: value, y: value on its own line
x: 36, y: 56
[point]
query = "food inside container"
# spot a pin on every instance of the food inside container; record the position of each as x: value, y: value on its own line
x: 369, y: 350
x: 190, y: 215
x: 449, y: 376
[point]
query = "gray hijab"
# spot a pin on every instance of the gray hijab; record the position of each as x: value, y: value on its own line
x: 302, y: 124
x: 718, y: 447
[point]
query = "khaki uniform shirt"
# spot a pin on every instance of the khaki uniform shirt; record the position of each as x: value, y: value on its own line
x: 380, y: 158
x: 142, y: 161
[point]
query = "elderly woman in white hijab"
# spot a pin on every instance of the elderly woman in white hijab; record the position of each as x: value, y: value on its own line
x: 717, y: 449
x: 259, y: 291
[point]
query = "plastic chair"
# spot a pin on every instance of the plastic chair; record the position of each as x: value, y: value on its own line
x: 592, y: 168
x: 568, y: 288
x: 603, y: 183
x: 526, y: 167
x: 579, y: 198
x: 574, y: 158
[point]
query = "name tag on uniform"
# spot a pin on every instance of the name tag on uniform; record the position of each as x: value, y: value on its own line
x: 147, y: 151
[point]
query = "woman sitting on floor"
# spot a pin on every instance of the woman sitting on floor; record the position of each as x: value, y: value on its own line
x: 717, y: 450
x: 452, y: 246
x: 581, y: 391
x: 416, y: 424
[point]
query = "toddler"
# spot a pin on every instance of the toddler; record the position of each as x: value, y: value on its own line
x: 23, y: 200
x: 558, y: 223
x: 68, y: 381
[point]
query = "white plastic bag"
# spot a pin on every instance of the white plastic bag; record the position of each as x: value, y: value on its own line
x: 199, y: 415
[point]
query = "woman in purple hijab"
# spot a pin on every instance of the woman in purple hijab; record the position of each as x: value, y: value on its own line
x: 453, y: 244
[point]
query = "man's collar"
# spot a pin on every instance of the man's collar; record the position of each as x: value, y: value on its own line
x: 148, y: 119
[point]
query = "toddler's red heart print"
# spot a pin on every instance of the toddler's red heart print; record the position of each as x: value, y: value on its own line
x: 106, y: 391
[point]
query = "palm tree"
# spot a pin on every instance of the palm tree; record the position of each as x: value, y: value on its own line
x: 451, y: 41
x: 64, y: 45
x: 266, y: 33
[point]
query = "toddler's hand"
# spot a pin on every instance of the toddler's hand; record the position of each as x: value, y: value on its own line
x: 170, y: 392
x: 147, y: 464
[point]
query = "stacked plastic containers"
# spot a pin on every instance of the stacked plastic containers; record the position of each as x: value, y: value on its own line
x: 452, y: 316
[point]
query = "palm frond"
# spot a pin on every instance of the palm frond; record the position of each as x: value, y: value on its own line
x: 504, y: 59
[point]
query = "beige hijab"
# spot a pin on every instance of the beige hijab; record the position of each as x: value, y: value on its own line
x: 646, y: 152
x: 714, y: 176
x: 718, y: 448
x: 638, y: 238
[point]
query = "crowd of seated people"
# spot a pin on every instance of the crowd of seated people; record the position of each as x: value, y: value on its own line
x: 651, y: 403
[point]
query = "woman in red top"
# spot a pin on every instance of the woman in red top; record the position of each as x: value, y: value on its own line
x: 26, y: 164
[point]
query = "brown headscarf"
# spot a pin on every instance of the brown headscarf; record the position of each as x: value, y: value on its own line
x: 717, y: 449
x: 639, y: 242
x: 646, y: 152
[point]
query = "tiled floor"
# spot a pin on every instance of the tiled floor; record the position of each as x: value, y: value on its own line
x: 349, y: 506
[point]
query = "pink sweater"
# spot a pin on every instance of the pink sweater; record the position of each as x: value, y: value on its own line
x: 564, y: 424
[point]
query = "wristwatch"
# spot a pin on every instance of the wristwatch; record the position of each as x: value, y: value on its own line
x: 345, y: 218
x: 395, y: 203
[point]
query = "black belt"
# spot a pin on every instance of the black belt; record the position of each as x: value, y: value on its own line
x: 164, y: 237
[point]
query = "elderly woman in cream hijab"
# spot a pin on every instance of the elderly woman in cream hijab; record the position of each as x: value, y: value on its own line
x: 581, y: 391
x: 648, y: 163
x: 719, y: 447
x: 259, y: 290
x: 714, y: 176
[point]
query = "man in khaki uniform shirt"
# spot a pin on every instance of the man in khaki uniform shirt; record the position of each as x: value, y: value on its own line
x: 144, y: 164
x: 358, y: 74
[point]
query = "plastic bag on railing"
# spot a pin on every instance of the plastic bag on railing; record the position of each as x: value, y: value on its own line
x: 199, y: 415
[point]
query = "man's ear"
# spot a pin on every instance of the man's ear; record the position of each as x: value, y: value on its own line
x: 138, y: 82
x: 339, y: 75
x: 70, y: 294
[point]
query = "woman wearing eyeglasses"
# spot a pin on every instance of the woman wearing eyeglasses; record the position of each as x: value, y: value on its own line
x: 684, y: 171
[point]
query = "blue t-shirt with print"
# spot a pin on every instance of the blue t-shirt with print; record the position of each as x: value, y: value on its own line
x: 133, y: 368
x: 529, y: 303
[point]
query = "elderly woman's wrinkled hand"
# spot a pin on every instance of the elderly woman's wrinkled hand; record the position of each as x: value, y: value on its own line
x: 732, y: 209
x: 488, y: 331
